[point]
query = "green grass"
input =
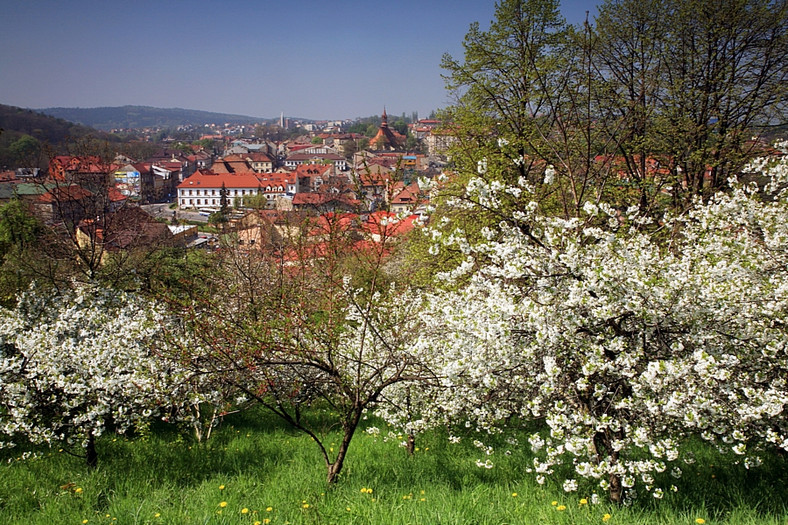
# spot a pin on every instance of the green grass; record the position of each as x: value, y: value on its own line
x: 166, y: 478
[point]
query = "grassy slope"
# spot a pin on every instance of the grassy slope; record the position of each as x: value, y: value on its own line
x: 165, y: 478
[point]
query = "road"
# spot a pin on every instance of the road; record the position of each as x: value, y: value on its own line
x: 163, y: 211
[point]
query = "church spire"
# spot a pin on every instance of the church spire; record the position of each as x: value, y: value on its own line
x: 384, y: 119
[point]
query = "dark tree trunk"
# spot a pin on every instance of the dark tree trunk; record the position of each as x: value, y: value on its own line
x: 91, y: 456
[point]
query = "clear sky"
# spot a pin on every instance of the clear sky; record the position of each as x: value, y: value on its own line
x: 304, y: 58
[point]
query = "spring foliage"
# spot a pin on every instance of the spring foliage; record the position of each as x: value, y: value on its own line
x: 77, y: 364
x: 624, y: 336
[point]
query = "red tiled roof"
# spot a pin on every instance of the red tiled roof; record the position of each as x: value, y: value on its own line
x: 208, y: 179
x: 73, y: 192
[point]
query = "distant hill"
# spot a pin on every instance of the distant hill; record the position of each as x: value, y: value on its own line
x: 126, y: 117
x: 45, y: 128
x: 40, y: 132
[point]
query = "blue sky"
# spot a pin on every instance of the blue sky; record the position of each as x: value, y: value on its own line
x: 303, y: 58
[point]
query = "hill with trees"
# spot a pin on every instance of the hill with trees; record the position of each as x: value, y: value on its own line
x: 24, y: 133
x: 132, y: 117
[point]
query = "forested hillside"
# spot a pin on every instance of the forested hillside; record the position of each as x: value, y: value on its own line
x: 25, y: 133
x: 125, y: 117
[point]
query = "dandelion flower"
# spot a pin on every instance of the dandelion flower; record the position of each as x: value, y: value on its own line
x: 514, y: 494
x: 305, y: 505
x: 583, y: 501
x: 221, y: 487
x: 244, y: 511
x: 223, y: 504
x: 561, y: 507
x: 269, y: 509
x: 700, y: 521
x: 84, y: 521
x: 606, y: 517
x: 553, y: 503
x: 78, y: 490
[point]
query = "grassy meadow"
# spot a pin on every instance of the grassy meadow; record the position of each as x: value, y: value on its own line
x: 256, y: 470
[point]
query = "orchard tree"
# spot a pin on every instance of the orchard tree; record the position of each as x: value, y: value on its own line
x: 624, y: 341
x: 80, y: 363
x: 307, y: 320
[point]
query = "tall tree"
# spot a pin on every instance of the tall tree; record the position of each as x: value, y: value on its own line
x: 726, y: 71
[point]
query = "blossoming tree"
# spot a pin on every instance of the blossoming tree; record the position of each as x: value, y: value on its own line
x: 310, y: 322
x: 79, y: 363
x: 623, y: 337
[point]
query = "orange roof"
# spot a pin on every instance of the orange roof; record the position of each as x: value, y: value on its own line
x: 208, y: 179
x: 387, y: 224
x: 73, y: 192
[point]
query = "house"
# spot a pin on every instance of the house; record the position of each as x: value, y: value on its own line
x: 312, y: 176
x: 203, y: 190
x: 406, y: 198
x: 87, y: 170
x: 260, y: 162
x: 128, y: 228
x: 323, y: 202
x: 295, y: 159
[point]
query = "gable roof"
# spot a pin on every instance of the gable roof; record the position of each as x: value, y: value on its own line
x: 208, y: 179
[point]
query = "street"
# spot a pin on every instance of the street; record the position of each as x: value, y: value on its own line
x: 163, y: 211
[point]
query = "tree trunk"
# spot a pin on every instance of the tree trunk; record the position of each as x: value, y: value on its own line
x: 411, y: 444
x: 349, y: 429
x: 616, y: 489
x: 91, y: 456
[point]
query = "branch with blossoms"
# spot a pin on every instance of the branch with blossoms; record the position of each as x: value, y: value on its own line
x: 623, y: 342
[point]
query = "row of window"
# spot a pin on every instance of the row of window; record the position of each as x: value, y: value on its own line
x: 213, y: 202
x: 192, y: 193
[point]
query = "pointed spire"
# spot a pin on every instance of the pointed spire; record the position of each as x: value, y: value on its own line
x: 384, y: 119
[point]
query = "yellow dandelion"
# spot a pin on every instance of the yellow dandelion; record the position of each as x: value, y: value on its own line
x: 583, y: 501
x: 700, y: 521
x: 347, y: 509
x: 561, y: 507
x: 553, y: 503
x: 257, y: 523
x: 106, y: 515
x: 84, y: 521
x: 514, y: 494
x: 221, y: 487
x: 266, y: 521
x: 269, y: 509
x: 157, y: 515
x: 244, y: 511
x: 223, y: 504
x: 606, y: 517
x: 78, y: 490
x: 305, y: 505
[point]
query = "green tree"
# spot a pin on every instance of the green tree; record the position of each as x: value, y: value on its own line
x: 18, y: 227
x: 27, y: 151
x: 726, y: 75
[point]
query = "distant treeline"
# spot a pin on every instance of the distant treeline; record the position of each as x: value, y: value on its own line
x: 135, y: 117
